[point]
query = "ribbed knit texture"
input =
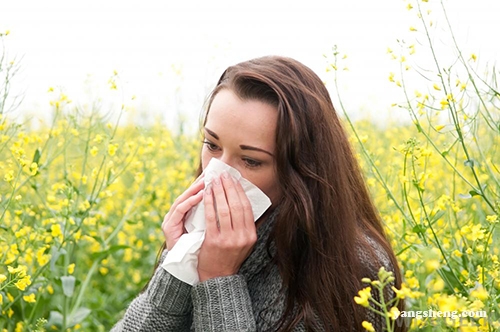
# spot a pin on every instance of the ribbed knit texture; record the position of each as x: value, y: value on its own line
x: 249, y: 301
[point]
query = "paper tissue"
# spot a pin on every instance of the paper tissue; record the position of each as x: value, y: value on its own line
x: 182, y: 260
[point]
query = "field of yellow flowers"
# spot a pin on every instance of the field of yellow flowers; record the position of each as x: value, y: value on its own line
x: 82, y: 200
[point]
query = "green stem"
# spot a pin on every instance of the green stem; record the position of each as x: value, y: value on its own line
x: 451, y: 107
x: 436, y: 239
x: 106, y: 243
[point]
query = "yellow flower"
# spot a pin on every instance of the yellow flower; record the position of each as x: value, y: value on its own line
x: 3, y: 277
x: 394, y: 313
x: 413, y: 29
x: 56, y: 230
x: 41, y: 257
x: 23, y: 283
x: 98, y: 138
x: 479, y: 293
x: 440, y: 127
x: 438, y: 285
x: 1, y: 299
x: 94, y: 150
x: 19, y: 327
x: 444, y: 103
x: 493, y: 219
x: 391, y: 77
x: 29, y: 298
x: 33, y: 169
x: 436, y: 87
x: 9, y: 176
x: 364, y: 296
x: 20, y: 270
x: 473, y: 57
x: 71, y: 268
x: 112, y: 149
x: 431, y: 265
x: 368, y: 326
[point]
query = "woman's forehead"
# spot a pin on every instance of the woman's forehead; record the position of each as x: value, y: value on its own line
x: 242, y: 120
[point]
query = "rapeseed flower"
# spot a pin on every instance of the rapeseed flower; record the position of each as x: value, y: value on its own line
x: 363, y: 296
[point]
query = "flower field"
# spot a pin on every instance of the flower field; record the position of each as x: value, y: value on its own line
x: 82, y: 200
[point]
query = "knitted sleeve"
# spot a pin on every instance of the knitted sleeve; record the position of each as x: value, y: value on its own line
x: 377, y: 320
x: 164, y: 306
x: 222, y: 304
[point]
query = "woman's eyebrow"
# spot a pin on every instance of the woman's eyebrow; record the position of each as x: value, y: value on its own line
x: 248, y: 147
x: 243, y: 147
x: 211, y: 133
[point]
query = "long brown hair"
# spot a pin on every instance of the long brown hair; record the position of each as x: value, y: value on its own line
x: 326, y: 208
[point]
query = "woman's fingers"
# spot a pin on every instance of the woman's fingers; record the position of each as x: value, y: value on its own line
x: 173, y: 222
x: 222, y: 207
x: 236, y: 210
x: 210, y: 215
x: 197, y: 185
x: 249, y: 222
x: 177, y: 214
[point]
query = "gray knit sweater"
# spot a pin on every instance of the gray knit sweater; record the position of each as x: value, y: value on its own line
x: 231, y: 303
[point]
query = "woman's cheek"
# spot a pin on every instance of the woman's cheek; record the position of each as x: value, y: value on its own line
x: 205, y: 158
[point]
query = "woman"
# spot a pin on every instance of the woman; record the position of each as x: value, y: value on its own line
x: 299, y: 266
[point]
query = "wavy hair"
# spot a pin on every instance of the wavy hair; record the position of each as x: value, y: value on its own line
x: 326, y: 211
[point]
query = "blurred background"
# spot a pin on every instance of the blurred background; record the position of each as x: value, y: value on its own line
x: 169, y: 54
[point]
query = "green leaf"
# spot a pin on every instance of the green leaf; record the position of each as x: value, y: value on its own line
x: 36, y: 157
x: 68, y: 285
x: 78, y: 316
x: 105, y: 253
x: 469, y: 163
x: 419, y: 127
x: 450, y: 280
x: 436, y: 217
x: 474, y: 193
x: 55, y: 254
x: 418, y: 229
x: 55, y: 318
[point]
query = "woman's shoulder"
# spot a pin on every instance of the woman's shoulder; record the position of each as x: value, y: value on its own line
x: 373, y: 255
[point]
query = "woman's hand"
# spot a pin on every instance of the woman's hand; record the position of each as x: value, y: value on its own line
x: 173, y: 223
x: 229, y: 242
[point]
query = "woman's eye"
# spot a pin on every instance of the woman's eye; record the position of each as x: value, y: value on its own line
x: 252, y: 163
x: 211, y: 146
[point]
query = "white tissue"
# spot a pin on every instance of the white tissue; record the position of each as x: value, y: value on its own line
x: 182, y: 260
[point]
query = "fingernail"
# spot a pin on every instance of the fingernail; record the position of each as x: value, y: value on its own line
x: 208, y: 190
x: 217, y: 180
x: 225, y: 174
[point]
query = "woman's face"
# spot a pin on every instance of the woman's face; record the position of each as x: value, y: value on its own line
x: 241, y: 133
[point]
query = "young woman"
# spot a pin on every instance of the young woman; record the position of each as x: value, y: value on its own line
x: 300, y: 265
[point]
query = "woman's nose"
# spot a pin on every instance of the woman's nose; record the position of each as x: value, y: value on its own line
x: 227, y: 160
